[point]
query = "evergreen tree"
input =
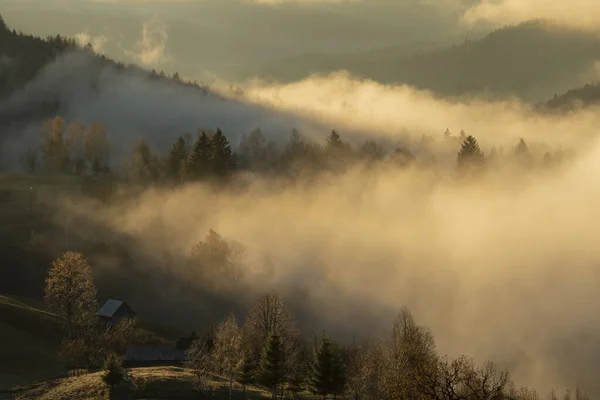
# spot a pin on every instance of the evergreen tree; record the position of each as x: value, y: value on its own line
x: 176, y: 158
x: 334, y: 142
x: 470, y: 155
x: 200, y: 157
x: 522, y: 154
x: 247, y: 372
x: 326, y: 369
x: 223, y: 159
x: 3, y: 26
x: 271, y: 371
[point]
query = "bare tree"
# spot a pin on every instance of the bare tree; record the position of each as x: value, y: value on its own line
x: 365, y: 371
x: 410, y: 351
x: 199, y: 359
x: 29, y: 158
x: 269, y: 315
x: 228, y: 351
x: 96, y: 147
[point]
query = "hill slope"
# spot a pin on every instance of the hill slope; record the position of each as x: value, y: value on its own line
x: 532, y: 60
x: 155, y: 383
x: 29, y: 339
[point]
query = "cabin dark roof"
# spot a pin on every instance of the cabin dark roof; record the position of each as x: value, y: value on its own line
x: 111, y: 307
x: 159, y: 353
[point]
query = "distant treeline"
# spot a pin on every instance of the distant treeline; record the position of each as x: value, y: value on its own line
x: 79, y: 149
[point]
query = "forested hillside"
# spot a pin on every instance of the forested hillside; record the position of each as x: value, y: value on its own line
x: 532, y: 60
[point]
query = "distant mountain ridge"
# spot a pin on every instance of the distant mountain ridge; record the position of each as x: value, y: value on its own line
x: 533, y: 60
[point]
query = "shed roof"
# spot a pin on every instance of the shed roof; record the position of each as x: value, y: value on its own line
x: 158, y: 353
x: 111, y: 307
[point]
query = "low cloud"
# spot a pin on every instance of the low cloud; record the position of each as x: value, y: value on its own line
x: 386, y: 110
x: 97, y: 42
x: 151, y: 49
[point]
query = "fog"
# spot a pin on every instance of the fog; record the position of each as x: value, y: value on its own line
x: 503, y: 269
x: 224, y: 36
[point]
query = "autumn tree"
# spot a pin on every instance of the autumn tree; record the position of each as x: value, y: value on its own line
x: 70, y: 290
x: 97, y: 147
x: 75, y: 142
x: 470, y: 157
x: 271, y: 370
x: 228, y: 352
x: 54, y: 149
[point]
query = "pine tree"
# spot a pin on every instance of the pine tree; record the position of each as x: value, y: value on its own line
x: 271, y: 371
x: 522, y: 154
x: 200, y: 157
x: 334, y: 141
x: 223, y: 159
x: 176, y: 158
x: 247, y: 372
x: 3, y: 26
x: 470, y: 155
x: 323, y: 369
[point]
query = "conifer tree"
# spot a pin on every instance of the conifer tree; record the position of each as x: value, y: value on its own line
x: 200, y: 157
x: 247, y: 372
x: 325, y: 369
x: 223, y: 159
x: 271, y: 371
x: 334, y: 141
x: 522, y: 154
x: 176, y: 158
x: 470, y: 155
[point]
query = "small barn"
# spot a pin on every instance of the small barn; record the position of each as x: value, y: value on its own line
x: 114, y: 310
x: 157, y: 356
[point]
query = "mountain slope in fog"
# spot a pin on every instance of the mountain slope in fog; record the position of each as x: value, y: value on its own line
x: 532, y: 60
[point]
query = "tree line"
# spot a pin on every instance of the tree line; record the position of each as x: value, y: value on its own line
x: 77, y: 149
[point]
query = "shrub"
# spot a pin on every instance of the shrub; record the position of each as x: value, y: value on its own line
x: 114, y: 372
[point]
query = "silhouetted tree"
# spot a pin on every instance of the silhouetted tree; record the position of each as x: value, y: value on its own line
x: 176, y: 159
x: 200, y: 158
x: 271, y: 371
x: 470, y: 157
x: 222, y: 158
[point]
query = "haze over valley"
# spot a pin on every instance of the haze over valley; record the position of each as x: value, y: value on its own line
x: 352, y: 165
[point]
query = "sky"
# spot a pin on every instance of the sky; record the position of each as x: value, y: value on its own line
x: 208, y: 35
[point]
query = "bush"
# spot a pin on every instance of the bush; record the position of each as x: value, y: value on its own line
x: 114, y: 372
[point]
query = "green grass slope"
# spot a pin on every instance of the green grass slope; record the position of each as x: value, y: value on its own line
x: 29, y: 339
